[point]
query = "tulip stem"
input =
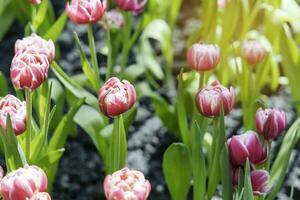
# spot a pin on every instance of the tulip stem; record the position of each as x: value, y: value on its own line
x: 201, y: 80
x: 125, y: 41
x: 269, y: 156
x: 110, y: 69
x: 28, y: 96
x: 93, y: 53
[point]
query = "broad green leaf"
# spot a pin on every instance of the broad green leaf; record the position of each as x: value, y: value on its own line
x: 51, y: 158
x: 41, y: 14
x: 226, y: 174
x: 3, y: 85
x: 6, y: 20
x: 177, y: 170
x: 248, y: 194
x: 55, y: 30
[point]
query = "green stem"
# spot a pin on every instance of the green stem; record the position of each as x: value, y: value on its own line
x: 93, y: 53
x: 28, y: 96
x: 110, y: 69
x: 33, y: 12
x: 201, y: 80
x: 269, y: 156
x: 126, y: 40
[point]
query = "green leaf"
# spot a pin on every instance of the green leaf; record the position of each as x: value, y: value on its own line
x: 55, y: 30
x: 248, y: 194
x: 118, y: 146
x: 177, y: 170
x: 3, y: 85
x: 41, y: 14
x: 226, y: 174
x: 6, y: 20
x: 51, y: 158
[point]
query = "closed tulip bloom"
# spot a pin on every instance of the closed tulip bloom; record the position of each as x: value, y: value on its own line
x: 126, y: 184
x: 253, y: 51
x: 203, y: 57
x: 246, y: 146
x: 29, y: 69
x: 259, y: 182
x: 115, y: 19
x: 86, y: 11
x: 116, y: 97
x: 134, y: 6
x: 209, y: 98
x: 38, y: 44
x: 34, y: 1
x: 40, y: 196
x: 23, y: 183
x: 16, y: 109
x: 270, y: 122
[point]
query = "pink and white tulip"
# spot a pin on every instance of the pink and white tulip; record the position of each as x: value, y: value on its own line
x: 116, y: 97
x: 209, y: 98
x: 16, y: 109
x: 246, y: 146
x: 270, y: 122
x: 34, y: 2
x: 253, y: 51
x: 29, y: 69
x: 23, y: 183
x: 37, y: 44
x: 115, y: 19
x: 126, y: 184
x: 134, y: 6
x: 41, y: 196
x: 86, y: 11
x: 259, y: 182
x: 203, y: 57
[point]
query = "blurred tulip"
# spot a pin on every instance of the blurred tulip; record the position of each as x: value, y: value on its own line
x: 41, y: 196
x: 222, y: 3
x: 253, y: 51
x: 259, y: 182
x: 116, y: 97
x: 209, y: 98
x: 126, y: 184
x: 86, y: 11
x: 23, y: 183
x: 203, y: 57
x: 29, y: 69
x: 270, y: 122
x: 34, y: 1
x: 16, y: 109
x: 38, y: 44
x: 134, y: 6
x: 115, y: 19
x: 246, y: 146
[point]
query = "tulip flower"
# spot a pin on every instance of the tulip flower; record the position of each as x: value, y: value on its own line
x: 40, y: 196
x: 209, y: 98
x: 259, y: 182
x: 222, y: 3
x: 134, y: 6
x: 23, y: 183
x: 116, y: 97
x: 246, y: 146
x: 38, y: 44
x: 203, y: 57
x: 86, y: 11
x: 253, y: 51
x: 34, y: 1
x: 29, y: 69
x: 115, y: 19
x: 270, y: 122
x: 16, y: 109
x: 126, y: 184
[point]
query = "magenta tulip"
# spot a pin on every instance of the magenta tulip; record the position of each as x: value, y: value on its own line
x: 134, y: 6
x: 126, y: 184
x: 253, y: 51
x: 209, y: 98
x: 86, y: 11
x: 34, y: 2
x: 259, y: 182
x: 203, y: 57
x: 116, y: 97
x: 270, y: 122
x: 246, y: 146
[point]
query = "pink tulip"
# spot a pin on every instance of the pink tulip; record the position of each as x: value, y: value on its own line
x: 116, y: 97
x: 203, y: 57
x: 209, y: 98
x: 37, y: 44
x: 246, y: 146
x: 259, y: 182
x: 16, y: 109
x: 134, y: 6
x: 41, y: 196
x: 253, y: 51
x: 86, y: 11
x: 222, y: 3
x: 29, y: 69
x: 115, y: 19
x: 23, y: 183
x: 270, y: 122
x: 34, y: 1
x: 126, y: 184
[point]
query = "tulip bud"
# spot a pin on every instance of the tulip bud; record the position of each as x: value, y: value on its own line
x: 126, y: 184
x: 29, y: 69
x: 115, y: 19
x: 16, y: 109
x: 41, y: 196
x: 253, y: 51
x: 203, y: 57
x: 37, y: 44
x: 246, y: 146
x: 86, y: 11
x: 209, y: 98
x: 259, y: 182
x: 134, y: 6
x: 23, y: 183
x: 34, y: 1
x: 116, y: 97
x: 270, y: 122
